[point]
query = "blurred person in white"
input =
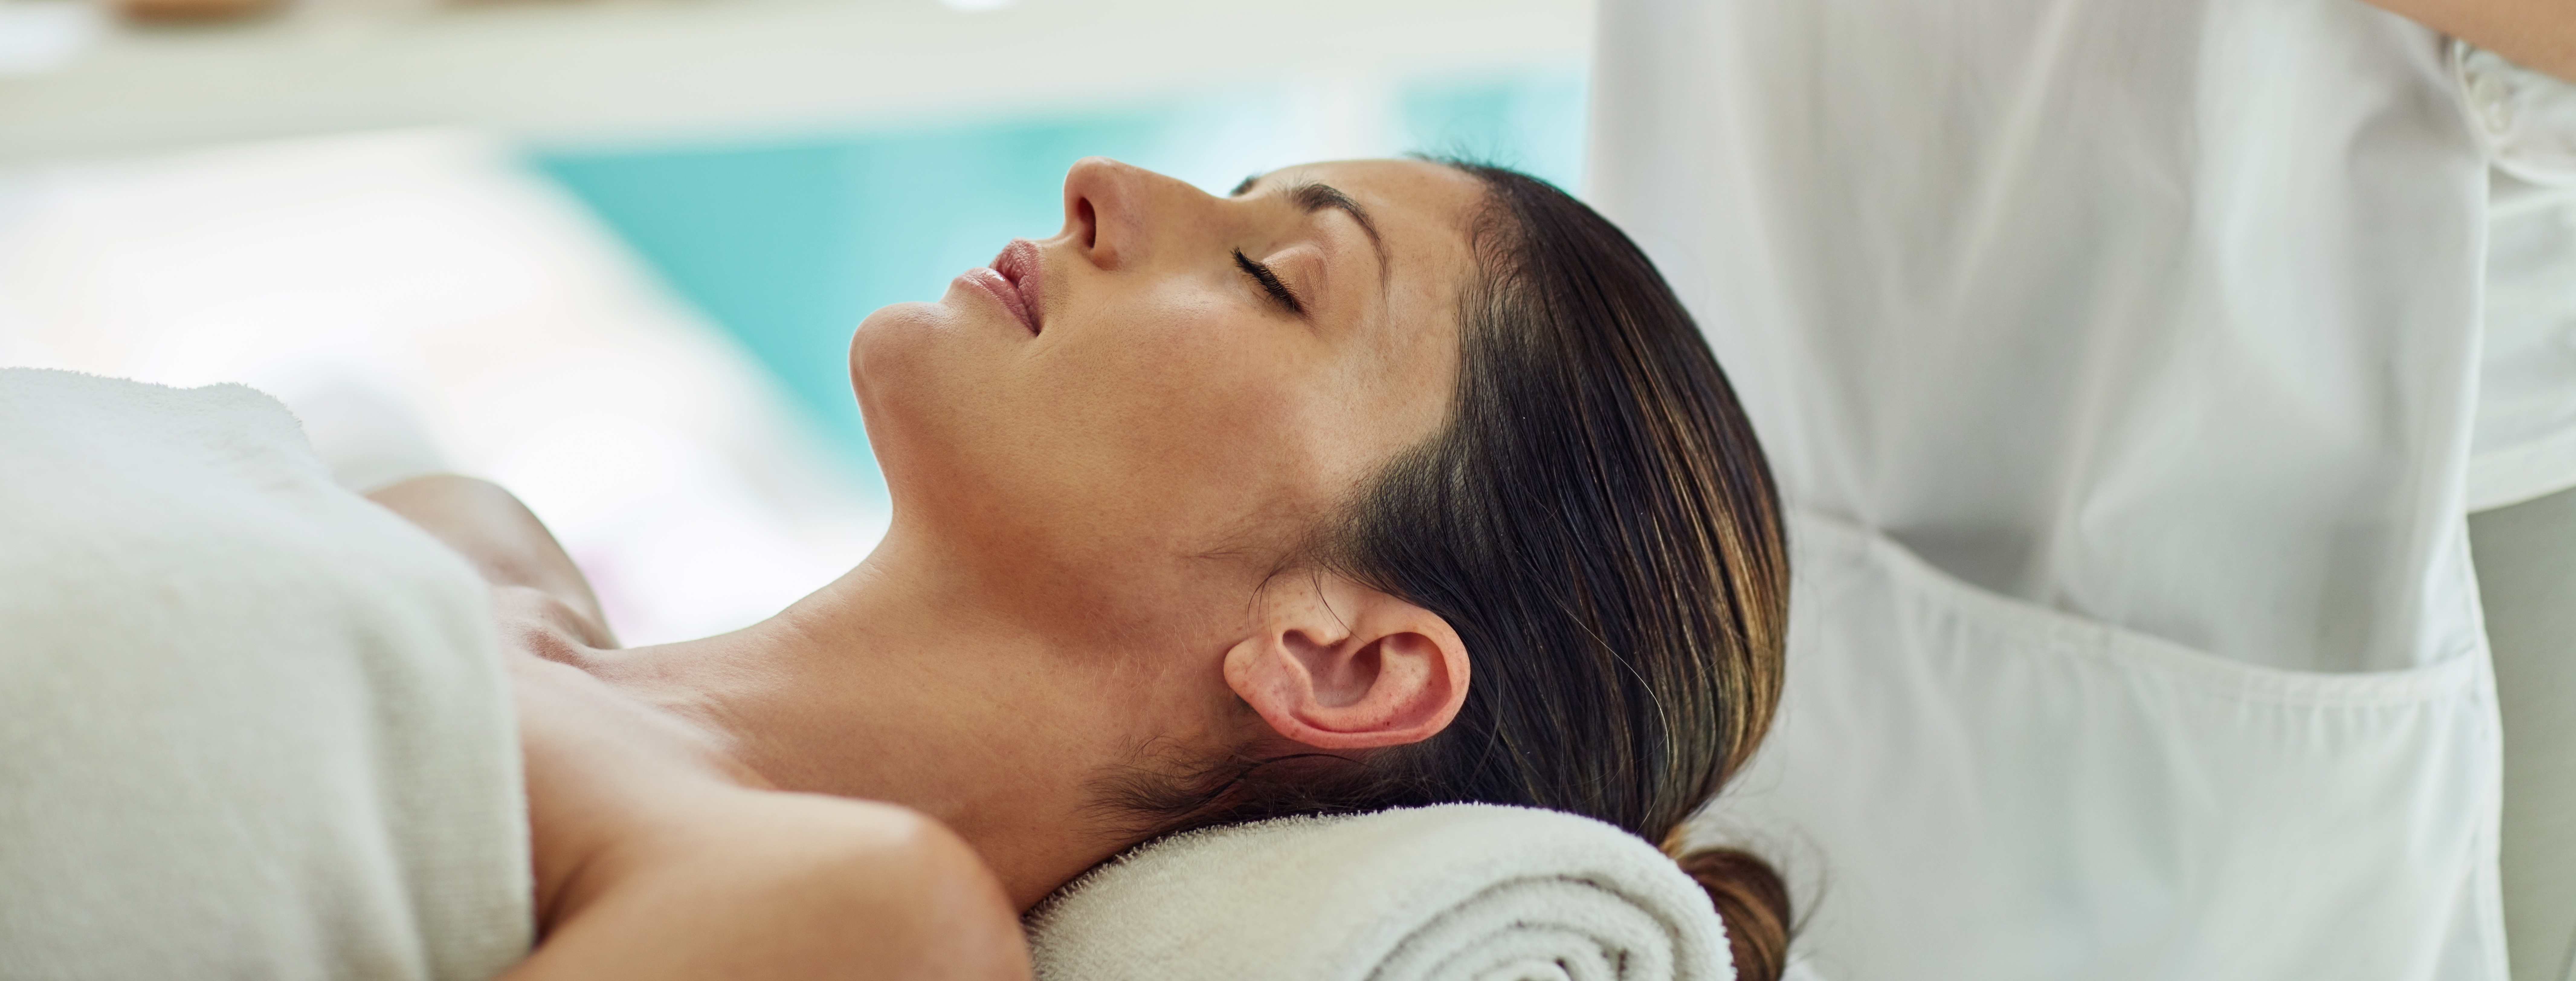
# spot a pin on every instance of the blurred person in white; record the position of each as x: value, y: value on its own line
x: 1368, y: 484
x: 2123, y: 359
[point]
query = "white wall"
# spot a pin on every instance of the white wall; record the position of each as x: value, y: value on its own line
x: 592, y: 70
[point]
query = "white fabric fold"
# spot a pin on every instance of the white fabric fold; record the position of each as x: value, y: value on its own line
x: 1449, y: 893
x: 2525, y: 120
x: 2525, y: 445
x: 251, y: 725
x: 2127, y: 354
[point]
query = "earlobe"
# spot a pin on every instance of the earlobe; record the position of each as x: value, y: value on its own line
x: 1346, y: 667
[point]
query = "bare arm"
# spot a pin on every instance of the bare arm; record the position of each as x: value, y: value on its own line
x: 2536, y: 34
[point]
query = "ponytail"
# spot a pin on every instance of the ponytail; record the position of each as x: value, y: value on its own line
x: 1753, y: 901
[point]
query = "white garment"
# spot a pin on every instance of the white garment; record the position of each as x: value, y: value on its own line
x: 251, y: 725
x: 2155, y: 324
x: 1971, y: 786
x: 2526, y: 428
x: 1457, y: 892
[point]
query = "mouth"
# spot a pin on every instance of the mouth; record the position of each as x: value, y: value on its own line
x: 1014, y: 279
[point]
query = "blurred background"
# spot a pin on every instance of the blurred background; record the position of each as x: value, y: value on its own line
x: 610, y: 252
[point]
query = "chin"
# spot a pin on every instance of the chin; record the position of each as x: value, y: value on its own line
x: 881, y: 328
x: 895, y: 348
x: 917, y: 387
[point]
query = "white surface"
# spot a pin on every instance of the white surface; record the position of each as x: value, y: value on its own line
x: 657, y: 69
x: 2152, y: 327
x: 253, y: 726
x: 423, y: 304
x: 1459, y: 892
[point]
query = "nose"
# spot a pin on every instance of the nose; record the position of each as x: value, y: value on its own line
x: 1112, y: 210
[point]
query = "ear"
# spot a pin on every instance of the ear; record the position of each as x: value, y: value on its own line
x: 1336, y: 665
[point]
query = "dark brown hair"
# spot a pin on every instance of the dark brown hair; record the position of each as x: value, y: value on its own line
x: 1597, y: 522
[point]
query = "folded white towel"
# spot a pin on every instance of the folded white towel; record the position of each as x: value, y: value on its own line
x: 1460, y: 891
x: 251, y: 725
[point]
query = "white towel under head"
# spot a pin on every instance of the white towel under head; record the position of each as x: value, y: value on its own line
x: 1448, y: 893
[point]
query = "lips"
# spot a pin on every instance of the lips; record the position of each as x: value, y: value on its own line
x: 1014, y: 280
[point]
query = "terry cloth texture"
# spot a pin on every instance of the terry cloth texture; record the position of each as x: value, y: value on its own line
x: 1459, y: 891
x: 251, y: 725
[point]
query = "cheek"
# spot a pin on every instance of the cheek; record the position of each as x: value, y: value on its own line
x: 1199, y: 383
x: 1190, y: 417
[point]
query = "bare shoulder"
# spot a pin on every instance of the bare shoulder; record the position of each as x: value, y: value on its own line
x: 763, y: 884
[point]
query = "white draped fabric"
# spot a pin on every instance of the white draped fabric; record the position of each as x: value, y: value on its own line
x: 2124, y: 355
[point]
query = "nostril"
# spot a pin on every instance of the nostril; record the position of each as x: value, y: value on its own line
x: 1090, y: 223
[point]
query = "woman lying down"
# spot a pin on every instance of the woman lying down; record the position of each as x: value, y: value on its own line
x: 1368, y: 485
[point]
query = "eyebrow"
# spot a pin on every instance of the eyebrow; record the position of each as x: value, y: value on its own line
x: 1313, y: 196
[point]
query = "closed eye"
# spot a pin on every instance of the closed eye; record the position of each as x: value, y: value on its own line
x: 1270, y: 282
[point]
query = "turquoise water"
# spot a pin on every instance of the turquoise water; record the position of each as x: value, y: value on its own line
x: 788, y: 243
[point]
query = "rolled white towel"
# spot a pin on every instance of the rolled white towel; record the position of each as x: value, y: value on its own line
x: 1458, y: 891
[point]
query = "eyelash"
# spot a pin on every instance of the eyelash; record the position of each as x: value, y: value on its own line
x: 1270, y: 282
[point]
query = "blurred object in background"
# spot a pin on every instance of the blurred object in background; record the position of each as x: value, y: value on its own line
x: 424, y: 305
x: 617, y: 71
x: 40, y: 36
x: 657, y: 360
x: 192, y: 11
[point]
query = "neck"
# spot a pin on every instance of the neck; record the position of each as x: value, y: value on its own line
x: 900, y: 684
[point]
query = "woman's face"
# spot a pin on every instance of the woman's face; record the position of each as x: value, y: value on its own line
x: 1167, y: 394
